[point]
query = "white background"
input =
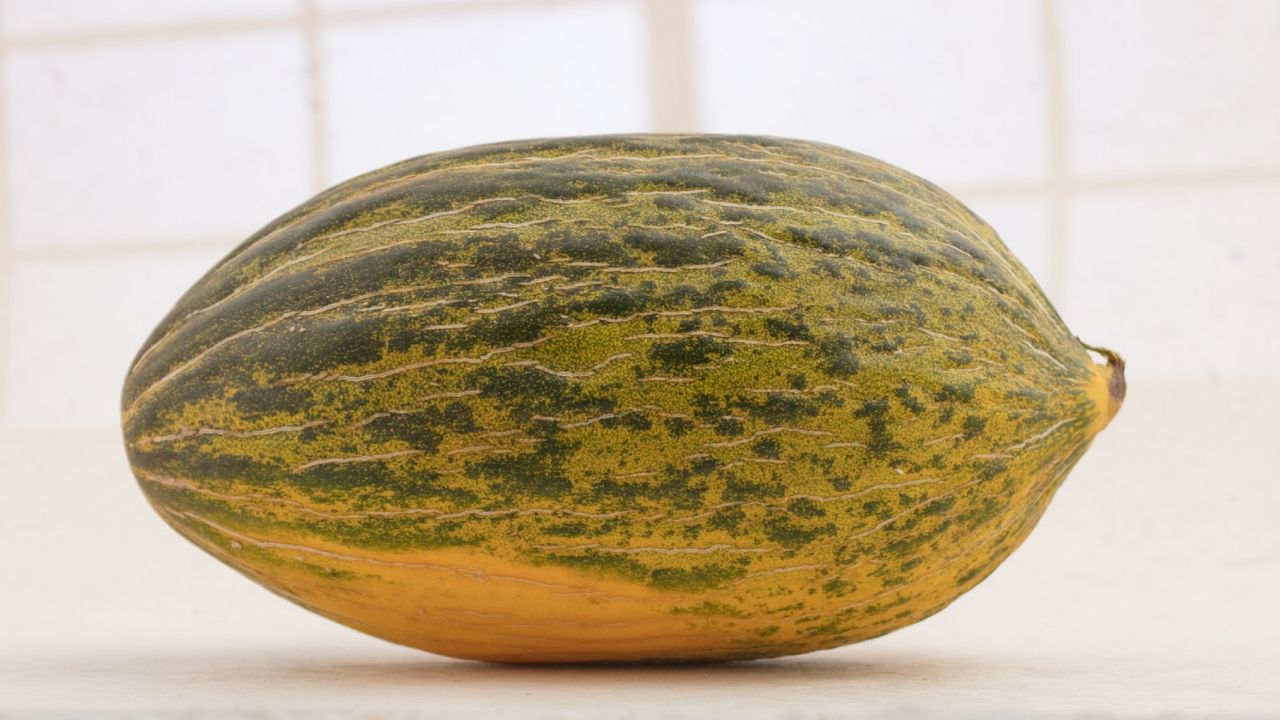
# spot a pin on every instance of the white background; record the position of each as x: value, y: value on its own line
x: 1129, y: 153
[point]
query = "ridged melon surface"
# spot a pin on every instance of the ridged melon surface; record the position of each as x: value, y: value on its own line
x: 616, y: 398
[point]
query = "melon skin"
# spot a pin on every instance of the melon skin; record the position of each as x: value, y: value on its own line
x: 618, y: 398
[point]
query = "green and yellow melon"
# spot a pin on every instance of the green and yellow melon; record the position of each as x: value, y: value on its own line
x: 637, y: 397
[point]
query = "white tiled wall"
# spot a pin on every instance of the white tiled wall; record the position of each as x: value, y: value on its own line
x: 1128, y: 151
x: 157, y: 142
x: 1185, y: 277
x: 74, y: 326
x: 953, y: 91
x: 1171, y: 87
x: 405, y: 86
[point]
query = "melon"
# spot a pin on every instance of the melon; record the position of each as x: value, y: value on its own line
x: 617, y: 398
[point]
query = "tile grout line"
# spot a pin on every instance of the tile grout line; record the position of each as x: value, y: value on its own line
x: 6, y: 246
x: 1156, y: 181
x: 392, y: 11
x: 1058, y: 186
x: 672, y: 95
x: 185, y: 29
x: 179, y: 30
x: 318, y: 127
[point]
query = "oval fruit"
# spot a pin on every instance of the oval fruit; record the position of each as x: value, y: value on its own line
x: 616, y: 398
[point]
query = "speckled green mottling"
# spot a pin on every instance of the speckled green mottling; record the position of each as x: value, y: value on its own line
x: 681, y: 361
